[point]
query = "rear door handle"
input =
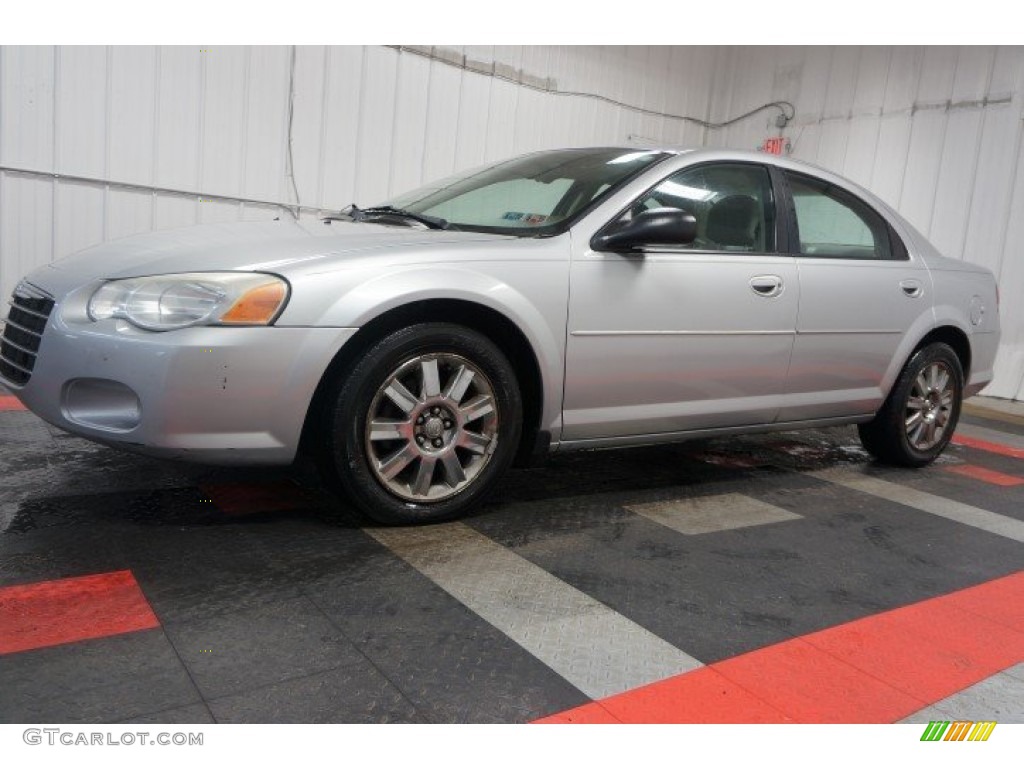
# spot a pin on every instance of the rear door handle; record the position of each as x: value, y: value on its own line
x: 767, y: 286
x: 912, y: 288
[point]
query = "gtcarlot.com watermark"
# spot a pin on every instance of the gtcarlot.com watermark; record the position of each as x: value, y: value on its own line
x: 60, y: 737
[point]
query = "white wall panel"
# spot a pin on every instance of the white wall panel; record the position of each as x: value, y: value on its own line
x: 408, y: 148
x: 266, y: 122
x: 343, y: 86
x: 890, y: 163
x: 471, y: 128
x: 26, y: 106
x: 927, y: 136
x: 179, y: 121
x: 973, y: 72
x: 131, y: 136
x: 842, y: 82
x: 993, y: 183
x: 376, y: 123
x: 501, y: 136
x: 222, y: 120
x: 937, y: 74
x: 79, y: 218
x: 955, y: 185
x: 128, y: 212
x: 1010, y: 381
x: 861, y: 145
x: 171, y: 211
x: 368, y: 122
x: 308, y: 121
x: 81, y: 110
x: 26, y: 230
x: 872, y: 80
x: 935, y: 131
x: 214, y: 211
x: 832, y: 144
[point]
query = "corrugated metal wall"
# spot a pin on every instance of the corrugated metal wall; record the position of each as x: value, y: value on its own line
x: 935, y: 131
x: 367, y: 122
x: 161, y: 137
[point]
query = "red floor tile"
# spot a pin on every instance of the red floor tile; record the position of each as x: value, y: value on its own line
x: 929, y: 650
x: 986, y: 475
x: 10, y: 403
x: 985, y: 445
x: 730, y: 461
x: 811, y: 686
x: 588, y: 714
x: 701, y: 696
x: 797, y: 449
x: 873, y: 670
x: 1001, y: 601
x: 253, y: 498
x: 68, y: 610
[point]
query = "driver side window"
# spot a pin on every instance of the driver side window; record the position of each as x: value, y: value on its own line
x: 732, y: 203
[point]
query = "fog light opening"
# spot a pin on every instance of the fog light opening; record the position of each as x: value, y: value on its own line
x: 101, y: 404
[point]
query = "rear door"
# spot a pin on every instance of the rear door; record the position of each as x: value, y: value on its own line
x: 859, y: 294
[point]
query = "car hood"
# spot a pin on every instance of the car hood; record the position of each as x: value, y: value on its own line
x: 268, y: 246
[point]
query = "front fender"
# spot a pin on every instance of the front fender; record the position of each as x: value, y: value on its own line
x: 541, y: 318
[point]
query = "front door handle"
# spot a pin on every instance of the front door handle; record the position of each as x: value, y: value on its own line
x: 767, y: 286
x: 912, y: 288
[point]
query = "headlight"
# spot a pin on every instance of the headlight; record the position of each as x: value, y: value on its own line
x: 166, y: 302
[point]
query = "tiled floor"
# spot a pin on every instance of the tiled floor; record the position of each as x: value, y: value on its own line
x: 635, y: 576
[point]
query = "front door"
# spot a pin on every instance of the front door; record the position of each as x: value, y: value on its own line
x: 686, y: 337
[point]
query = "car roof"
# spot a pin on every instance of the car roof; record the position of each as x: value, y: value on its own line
x: 725, y: 153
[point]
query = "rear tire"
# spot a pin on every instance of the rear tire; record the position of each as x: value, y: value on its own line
x: 918, y: 418
x: 424, y: 425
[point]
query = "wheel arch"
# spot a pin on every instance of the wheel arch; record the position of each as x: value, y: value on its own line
x: 498, y: 327
x: 955, y: 338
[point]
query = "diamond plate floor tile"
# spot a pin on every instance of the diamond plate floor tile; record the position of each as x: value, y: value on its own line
x: 593, y: 647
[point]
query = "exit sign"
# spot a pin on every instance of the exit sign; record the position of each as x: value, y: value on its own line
x: 775, y: 145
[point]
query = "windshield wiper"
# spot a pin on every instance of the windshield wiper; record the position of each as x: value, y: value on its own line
x: 354, y: 213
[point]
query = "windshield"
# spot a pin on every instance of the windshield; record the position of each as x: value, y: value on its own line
x: 537, y: 194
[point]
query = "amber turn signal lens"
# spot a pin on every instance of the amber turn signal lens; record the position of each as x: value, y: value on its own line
x: 257, y: 306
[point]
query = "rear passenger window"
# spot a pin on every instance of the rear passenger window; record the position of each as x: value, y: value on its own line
x: 834, y: 224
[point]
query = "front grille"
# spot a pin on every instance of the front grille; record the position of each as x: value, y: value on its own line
x: 23, y: 331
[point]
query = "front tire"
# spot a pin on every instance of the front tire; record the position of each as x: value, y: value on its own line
x: 424, y: 425
x: 917, y: 420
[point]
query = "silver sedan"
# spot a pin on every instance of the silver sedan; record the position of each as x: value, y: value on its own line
x: 562, y: 300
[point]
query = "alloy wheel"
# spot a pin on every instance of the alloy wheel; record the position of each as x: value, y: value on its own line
x: 929, y: 406
x: 432, y: 427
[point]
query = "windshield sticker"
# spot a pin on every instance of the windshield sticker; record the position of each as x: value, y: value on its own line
x: 530, y: 219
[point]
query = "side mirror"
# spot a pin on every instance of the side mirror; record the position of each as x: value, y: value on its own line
x: 658, y: 226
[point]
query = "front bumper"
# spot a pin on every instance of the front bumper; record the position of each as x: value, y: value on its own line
x: 213, y: 394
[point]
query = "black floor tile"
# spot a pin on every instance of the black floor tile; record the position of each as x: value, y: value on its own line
x: 236, y: 652
x: 190, y: 575
x: 357, y: 693
x: 937, y: 480
x: 984, y: 421
x: 469, y: 678
x: 374, y: 591
x: 103, y: 680
x: 198, y: 714
x: 298, y: 615
x: 719, y: 594
x: 57, y: 554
